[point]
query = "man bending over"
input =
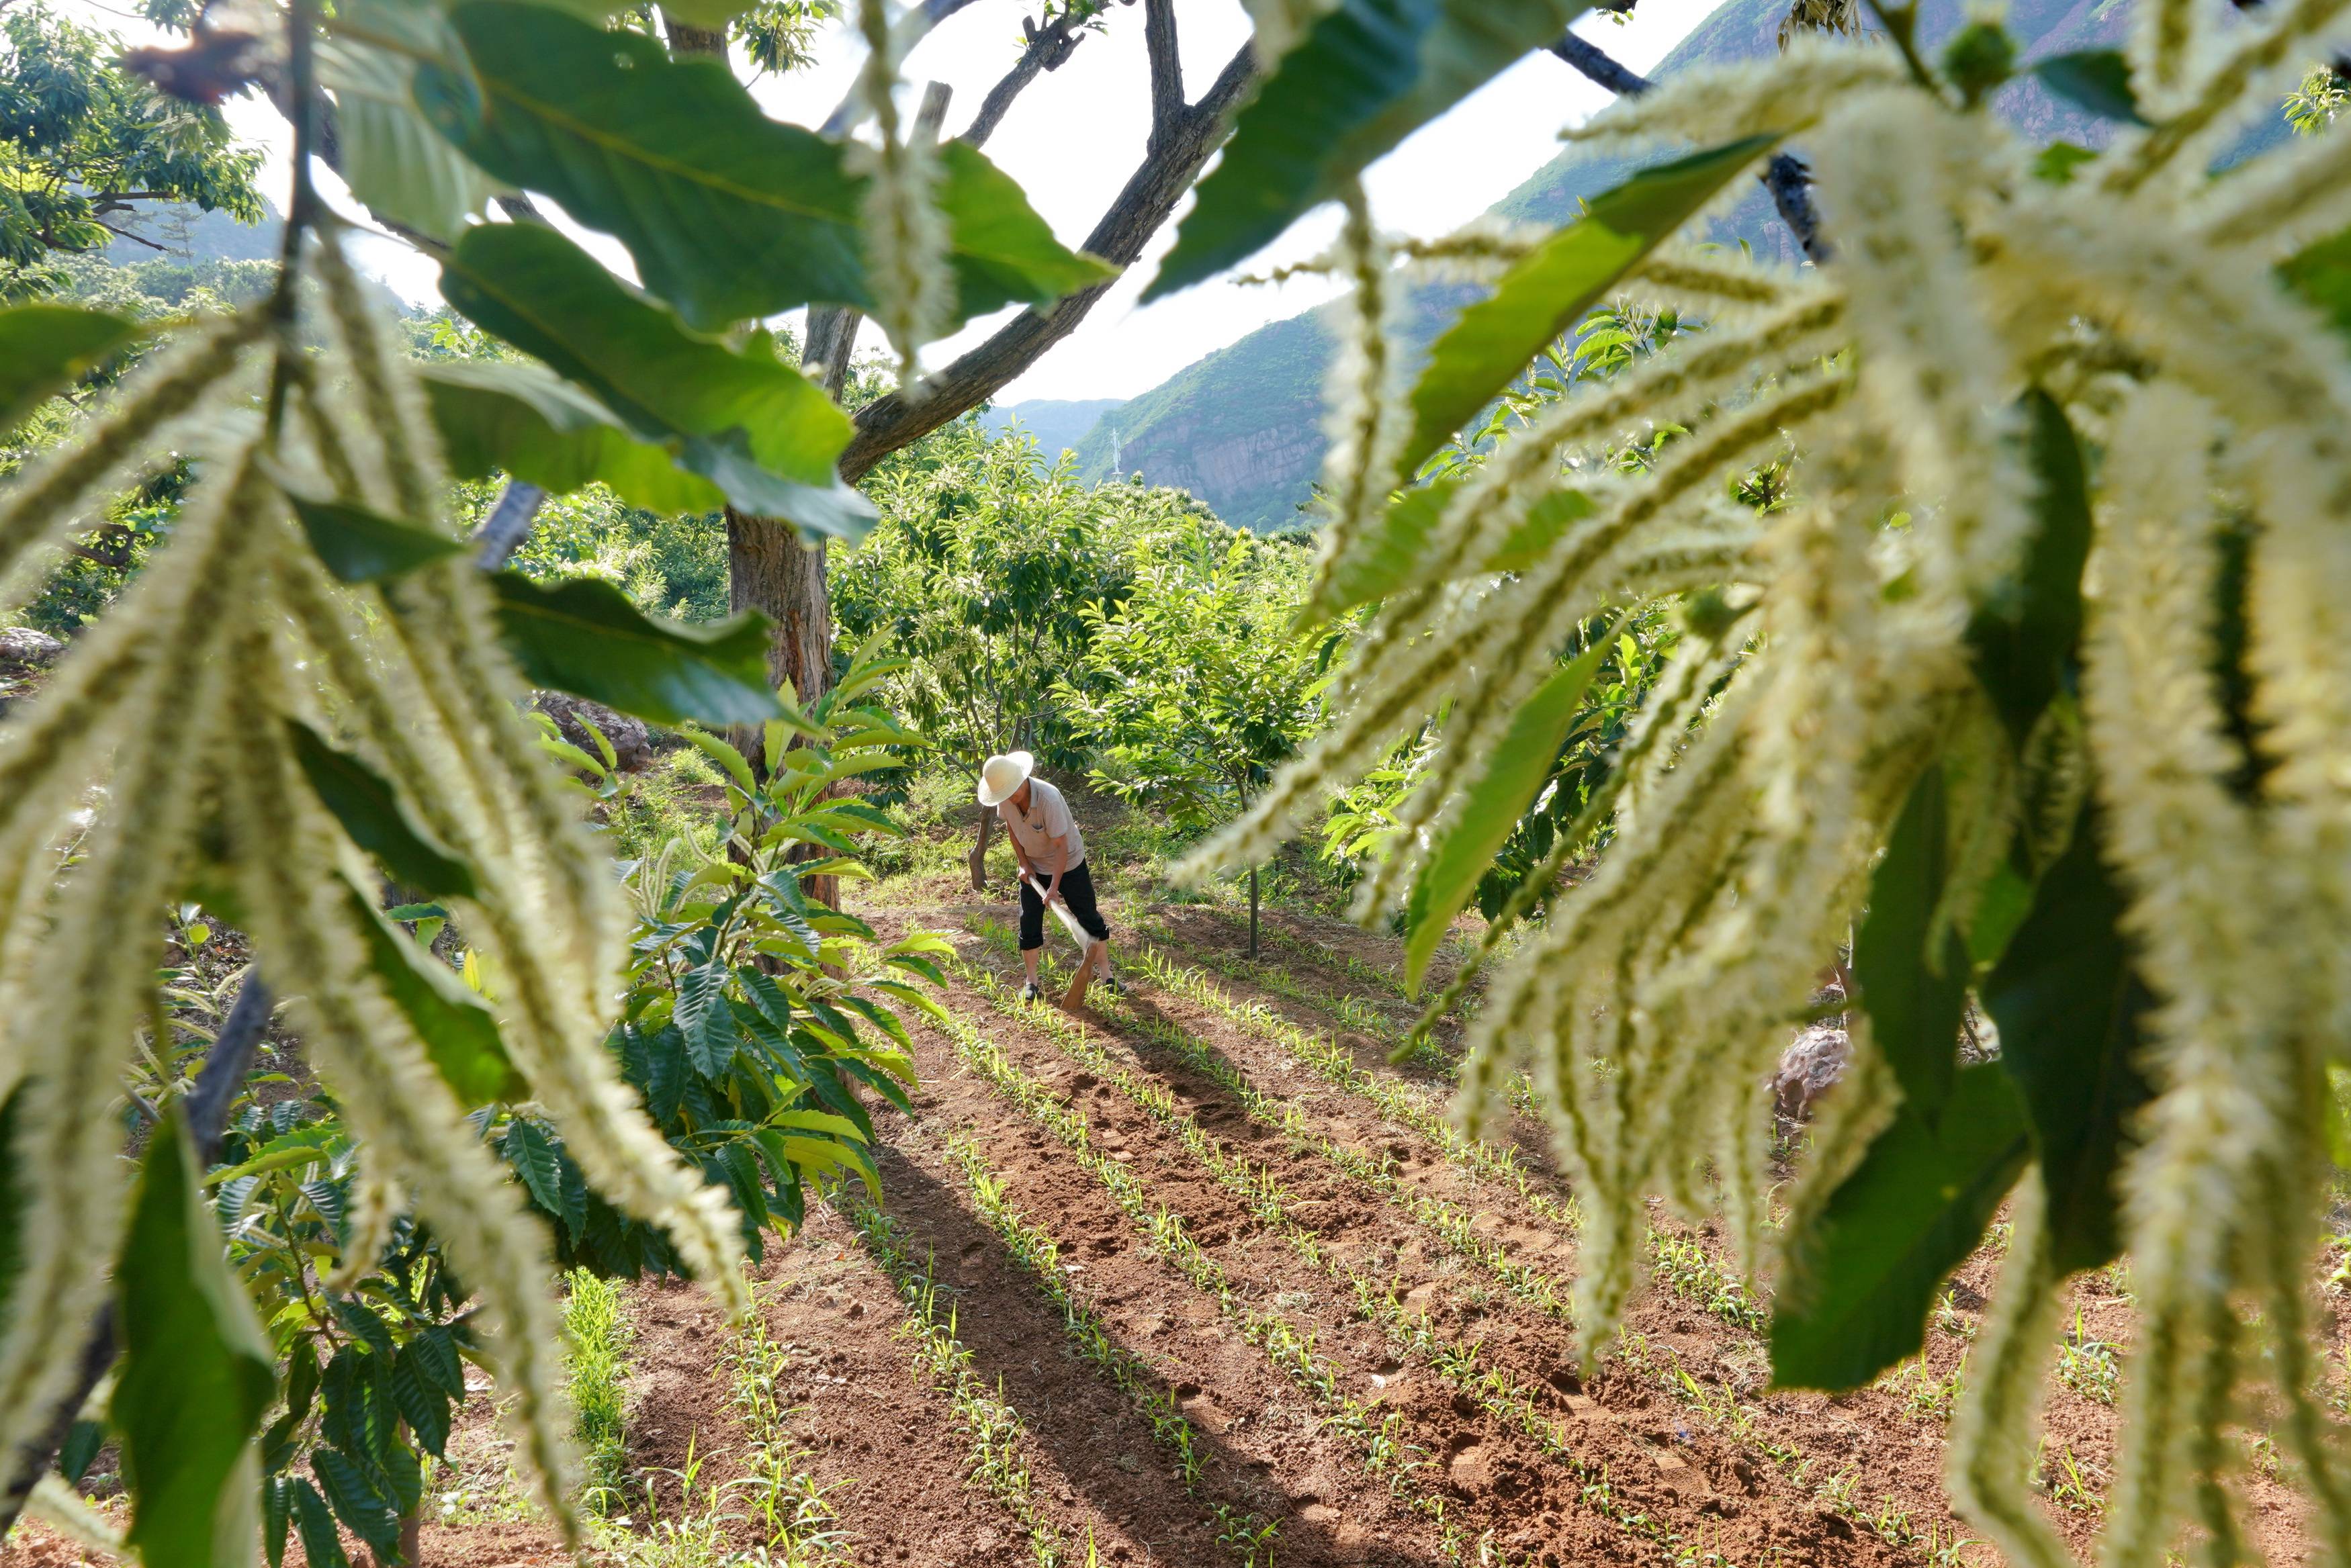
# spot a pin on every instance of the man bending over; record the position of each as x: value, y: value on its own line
x: 1053, y: 855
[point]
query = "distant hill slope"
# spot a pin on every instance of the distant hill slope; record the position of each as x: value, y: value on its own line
x: 1055, y: 422
x: 186, y: 232
x: 1241, y: 429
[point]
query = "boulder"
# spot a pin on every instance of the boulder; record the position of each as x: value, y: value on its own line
x: 633, y: 743
x: 1807, y: 1068
x: 22, y: 649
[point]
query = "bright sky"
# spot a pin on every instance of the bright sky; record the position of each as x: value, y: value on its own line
x: 1076, y: 134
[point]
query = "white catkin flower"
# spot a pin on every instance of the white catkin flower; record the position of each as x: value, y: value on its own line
x: 1711, y: 104
x: 61, y: 1508
x: 1363, y: 422
x: 2239, y: 76
x: 906, y: 240
x: 378, y: 1201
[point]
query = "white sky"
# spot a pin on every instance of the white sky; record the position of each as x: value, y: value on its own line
x: 1076, y: 134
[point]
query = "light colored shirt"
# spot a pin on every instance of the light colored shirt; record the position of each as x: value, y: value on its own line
x: 1047, y: 819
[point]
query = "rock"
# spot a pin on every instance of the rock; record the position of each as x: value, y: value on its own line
x: 22, y: 647
x: 1807, y: 1068
x: 633, y: 743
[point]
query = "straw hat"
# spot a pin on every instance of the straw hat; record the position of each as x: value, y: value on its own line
x: 999, y: 777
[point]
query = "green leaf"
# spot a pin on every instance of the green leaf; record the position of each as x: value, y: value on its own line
x: 369, y: 1514
x: 418, y: 1395
x: 392, y: 157
x: 729, y: 215
x: 459, y: 1033
x: 1367, y: 75
x: 1916, y: 1206
x: 752, y: 425
x: 1521, y: 763
x: 43, y: 349
x: 12, y: 1200
x: 436, y: 1358
x: 725, y: 755
x: 532, y: 1155
x: 358, y: 545
x: 2056, y: 162
x: 520, y: 419
x: 196, y: 1374
x: 2021, y: 639
x: 1392, y: 559
x: 2072, y: 1010
x: 322, y: 1543
x: 1914, y: 1000
x: 364, y: 801
x: 2320, y: 273
x: 584, y: 636
x: 705, y: 1019
x: 1548, y: 290
x: 2096, y: 79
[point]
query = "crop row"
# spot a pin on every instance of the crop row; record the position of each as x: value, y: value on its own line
x: 1413, y: 1337
x: 992, y: 1430
x: 1250, y: 1538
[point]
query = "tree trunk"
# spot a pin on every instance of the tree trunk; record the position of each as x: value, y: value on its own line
x: 979, y: 851
x: 1252, y: 912
x: 769, y: 569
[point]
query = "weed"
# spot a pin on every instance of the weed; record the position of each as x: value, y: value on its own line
x: 2087, y: 1365
x: 600, y: 1336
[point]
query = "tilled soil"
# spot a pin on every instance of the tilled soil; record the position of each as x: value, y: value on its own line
x: 1363, y: 1339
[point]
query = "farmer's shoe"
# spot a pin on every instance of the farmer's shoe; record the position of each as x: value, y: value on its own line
x: 1029, y: 993
x: 1111, y: 983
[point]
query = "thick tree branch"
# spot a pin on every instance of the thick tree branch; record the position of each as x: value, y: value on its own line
x: 1168, y: 109
x: 1151, y: 194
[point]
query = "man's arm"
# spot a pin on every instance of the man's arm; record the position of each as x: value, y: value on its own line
x: 1060, y: 864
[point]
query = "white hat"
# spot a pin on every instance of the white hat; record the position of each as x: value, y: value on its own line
x: 1000, y: 777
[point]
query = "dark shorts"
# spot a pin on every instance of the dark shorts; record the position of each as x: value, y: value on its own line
x: 1077, y: 891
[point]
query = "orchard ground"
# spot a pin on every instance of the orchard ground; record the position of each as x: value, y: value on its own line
x: 1197, y: 1276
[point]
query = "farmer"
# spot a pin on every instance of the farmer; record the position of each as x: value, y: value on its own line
x: 1053, y: 855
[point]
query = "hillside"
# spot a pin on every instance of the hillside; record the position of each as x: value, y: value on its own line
x: 1241, y: 428
x: 181, y: 232
x: 1055, y: 422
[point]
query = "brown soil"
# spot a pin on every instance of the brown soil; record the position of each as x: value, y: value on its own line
x: 1674, y: 1450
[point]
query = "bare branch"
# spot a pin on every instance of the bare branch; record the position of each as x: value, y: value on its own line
x: 1596, y: 64
x: 1151, y: 194
x: 1048, y: 46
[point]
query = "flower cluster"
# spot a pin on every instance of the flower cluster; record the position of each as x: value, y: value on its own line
x: 1830, y: 667
x: 160, y: 760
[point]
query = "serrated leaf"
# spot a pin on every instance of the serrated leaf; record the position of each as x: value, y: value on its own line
x: 1910, y: 1213
x: 532, y: 1154
x: 725, y: 755
x: 1915, y: 1003
x: 421, y: 1403
x: 2021, y: 639
x: 2096, y: 79
x: 1366, y: 74
x: 2071, y: 1011
x: 705, y: 1019
x: 196, y: 1372
x: 459, y: 1033
x: 44, y: 348
x: 12, y: 1195
x: 742, y: 419
x: 358, y: 545
x: 496, y: 417
x: 1513, y: 777
x: 435, y: 1352
x: 373, y: 817
x: 1547, y: 291
x: 390, y: 156
x: 322, y: 1543
x: 628, y: 140
x: 584, y: 636
x: 365, y: 1510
